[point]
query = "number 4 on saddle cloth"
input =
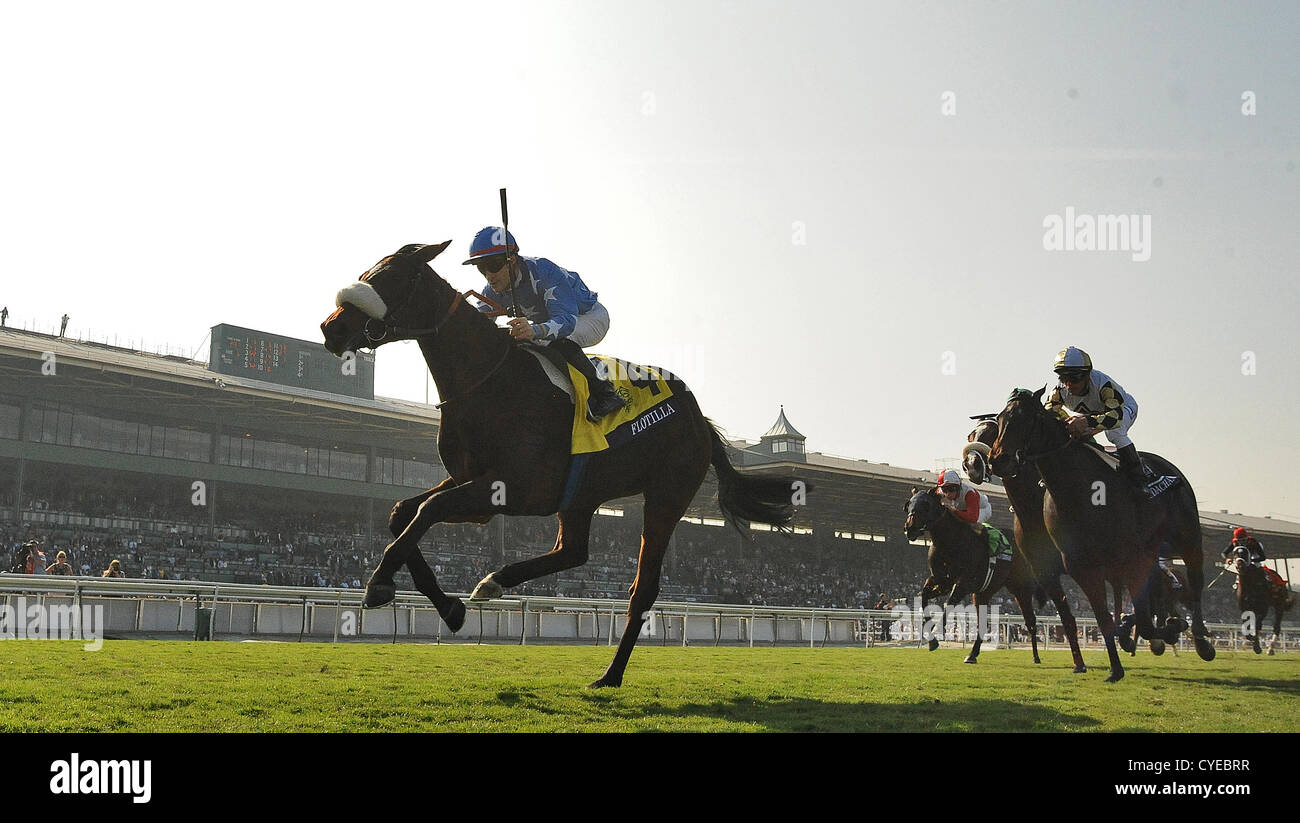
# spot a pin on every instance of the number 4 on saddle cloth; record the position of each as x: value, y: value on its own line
x: 647, y: 401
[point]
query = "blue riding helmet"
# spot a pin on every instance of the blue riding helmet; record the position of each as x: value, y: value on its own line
x: 489, y: 242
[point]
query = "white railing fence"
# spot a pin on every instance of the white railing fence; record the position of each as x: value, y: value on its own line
x: 168, y: 608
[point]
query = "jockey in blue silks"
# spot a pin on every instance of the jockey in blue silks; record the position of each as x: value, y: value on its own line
x: 559, y: 311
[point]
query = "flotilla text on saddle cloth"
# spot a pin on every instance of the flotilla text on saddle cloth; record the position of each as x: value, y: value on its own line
x: 647, y: 401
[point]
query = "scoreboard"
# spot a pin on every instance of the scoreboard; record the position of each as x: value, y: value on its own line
x: 288, y: 361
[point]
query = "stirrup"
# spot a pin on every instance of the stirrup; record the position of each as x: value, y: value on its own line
x: 602, y: 402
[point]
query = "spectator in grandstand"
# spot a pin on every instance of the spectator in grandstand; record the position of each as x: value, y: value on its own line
x: 35, y: 559
x: 19, y: 559
x: 60, y: 565
x: 883, y: 605
x: 114, y: 569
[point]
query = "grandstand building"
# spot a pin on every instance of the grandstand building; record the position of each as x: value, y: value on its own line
x: 272, y: 456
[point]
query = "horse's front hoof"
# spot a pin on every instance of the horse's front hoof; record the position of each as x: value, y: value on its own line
x: 1116, y: 675
x: 378, y: 595
x: 971, y: 660
x: 487, y: 589
x: 1080, y: 669
x: 455, y: 616
x: 934, y: 644
x: 606, y: 682
x: 1036, y: 660
x: 1204, y: 648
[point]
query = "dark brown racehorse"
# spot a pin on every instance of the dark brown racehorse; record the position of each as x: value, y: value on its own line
x: 1255, y: 597
x: 1103, y: 531
x: 1031, y: 535
x: 505, y: 438
x: 959, y: 565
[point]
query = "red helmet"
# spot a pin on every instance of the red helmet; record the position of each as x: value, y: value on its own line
x: 1240, y: 534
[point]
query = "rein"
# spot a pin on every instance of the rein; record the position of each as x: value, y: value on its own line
x: 390, y: 332
x: 480, y: 381
x: 402, y: 333
x: 1021, y: 459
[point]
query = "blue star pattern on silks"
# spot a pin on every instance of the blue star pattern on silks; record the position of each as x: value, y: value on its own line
x: 550, y: 296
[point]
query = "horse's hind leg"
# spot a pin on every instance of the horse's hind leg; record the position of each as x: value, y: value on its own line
x: 571, y: 545
x: 660, y: 519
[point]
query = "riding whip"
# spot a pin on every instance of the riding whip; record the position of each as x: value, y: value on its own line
x: 510, y: 257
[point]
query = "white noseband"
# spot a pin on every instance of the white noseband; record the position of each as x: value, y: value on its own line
x: 364, y: 297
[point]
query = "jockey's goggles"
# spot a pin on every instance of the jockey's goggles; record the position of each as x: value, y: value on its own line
x: 1070, y: 376
x: 491, y: 265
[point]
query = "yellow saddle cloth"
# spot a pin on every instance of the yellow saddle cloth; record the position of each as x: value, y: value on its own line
x: 647, y: 401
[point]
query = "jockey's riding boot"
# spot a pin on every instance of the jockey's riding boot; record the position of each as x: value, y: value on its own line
x: 603, y: 399
x: 1134, y: 469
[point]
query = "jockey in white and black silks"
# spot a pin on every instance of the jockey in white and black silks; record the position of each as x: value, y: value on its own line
x: 559, y: 311
x: 1090, y: 402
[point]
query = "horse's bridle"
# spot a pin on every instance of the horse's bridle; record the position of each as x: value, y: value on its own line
x: 1019, y: 458
x: 911, y: 512
x: 403, y: 333
x: 390, y: 332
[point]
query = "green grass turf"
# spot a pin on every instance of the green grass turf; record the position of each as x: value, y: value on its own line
x: 173, y: 686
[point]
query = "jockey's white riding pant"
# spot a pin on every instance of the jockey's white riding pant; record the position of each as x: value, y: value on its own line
x: 1119, y: 435
x: 588, y: 329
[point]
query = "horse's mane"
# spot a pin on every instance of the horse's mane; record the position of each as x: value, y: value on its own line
x: 444, y: 290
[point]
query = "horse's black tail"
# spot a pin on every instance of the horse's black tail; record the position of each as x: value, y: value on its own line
x: 745, y: 498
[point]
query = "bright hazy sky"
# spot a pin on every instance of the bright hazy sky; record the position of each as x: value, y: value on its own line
x: 769, y: 197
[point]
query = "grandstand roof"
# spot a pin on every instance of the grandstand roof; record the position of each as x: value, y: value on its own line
x: 1257, y: 525
x: 164, y: 386
x: 782, y: 428
x: 169, y: 385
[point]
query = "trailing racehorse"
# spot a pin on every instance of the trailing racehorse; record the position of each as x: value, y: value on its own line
x: 1103, y: 532
x: 960, y: 565
x: 1031, y: 535
x: 1255, y: 597
x: 505, y: 440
